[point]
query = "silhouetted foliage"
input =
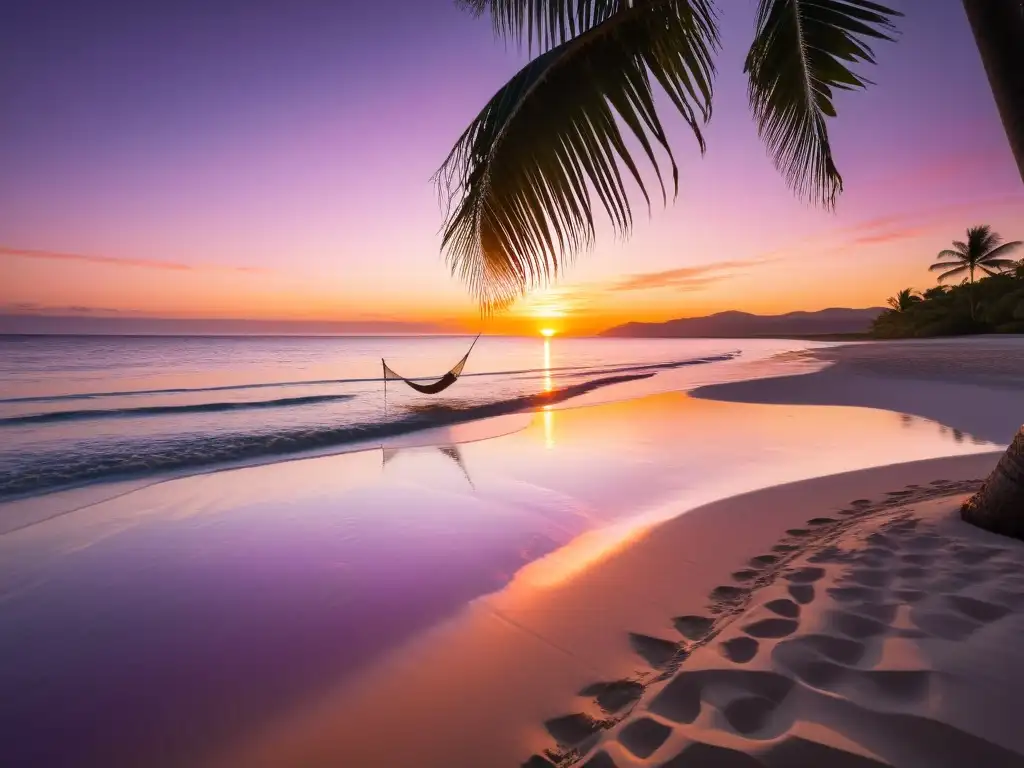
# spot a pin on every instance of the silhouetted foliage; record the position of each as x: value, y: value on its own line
x: 946, y: 310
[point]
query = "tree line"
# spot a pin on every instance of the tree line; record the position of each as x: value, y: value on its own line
x: 988, y: 299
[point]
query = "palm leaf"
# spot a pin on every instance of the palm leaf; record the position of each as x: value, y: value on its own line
x: 945, y: 265
x: 519, y: 182
x: 546, y: 23
x: 802, y: 52
x: 998, y: 252
x: 952, y: 273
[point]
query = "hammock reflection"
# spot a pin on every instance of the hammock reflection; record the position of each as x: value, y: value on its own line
x: 451, y: 451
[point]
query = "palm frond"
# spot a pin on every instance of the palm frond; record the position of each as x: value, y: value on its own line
x: 945, y: 265
x: 952, y: 273
x: 997, y: 253
x: 544, y: 23
x: 803, y: 50
x: 960, y: 247
x: 518, y: 184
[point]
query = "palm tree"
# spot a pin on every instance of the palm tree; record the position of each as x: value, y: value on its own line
x: 903, y: 300
x: 984, y: 250
x: 935, y: 292
x: 998, y: 27
x: 520, y: 183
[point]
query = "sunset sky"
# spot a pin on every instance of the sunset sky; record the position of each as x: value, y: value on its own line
x: 272, y: 160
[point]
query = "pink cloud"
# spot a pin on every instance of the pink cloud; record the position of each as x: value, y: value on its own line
x: 686, y: 278
x: 25, y: 253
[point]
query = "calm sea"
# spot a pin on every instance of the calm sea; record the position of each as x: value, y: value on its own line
x: 79, y: 410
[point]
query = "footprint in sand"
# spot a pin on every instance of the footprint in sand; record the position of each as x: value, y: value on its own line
x: 975, y: 556
x: 945, y: 626
x: 614, y: 696
x: 785, y: 548
x: 763, y: 561
x: 855, y: 626
x: 978, y: 610
x: 655, y: 651
x: 802, y: 593
x: 798, y: 533
x: 572, y: 730
x: 643, y: 736
x: 600, y: 760
x: 830, y: 554
x: 869, y: 577
x: 680, y: 700
x: 883, y: 612
x: 771, y: 628
x: 806, y: 575
x: 748, y: 715
x: 745, y: 575
x: 739, y: 650
x: 783, y: 607
x: 854, y: 594
x: 838, y: 649
x: 693, y: 627
x: 697, y: 754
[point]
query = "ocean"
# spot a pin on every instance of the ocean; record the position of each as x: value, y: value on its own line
x: 77, y: 410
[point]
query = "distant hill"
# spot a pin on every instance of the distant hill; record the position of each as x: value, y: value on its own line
x: 825, y: 322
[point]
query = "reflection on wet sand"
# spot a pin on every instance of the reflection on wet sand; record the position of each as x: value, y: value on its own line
x: 451, y: 451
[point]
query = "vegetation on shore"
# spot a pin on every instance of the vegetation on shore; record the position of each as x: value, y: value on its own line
x: 993, y: 304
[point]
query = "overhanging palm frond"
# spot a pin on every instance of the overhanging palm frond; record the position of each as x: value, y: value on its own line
x: 546, y: 23
x: 802, y: 52
x: 518, y: 182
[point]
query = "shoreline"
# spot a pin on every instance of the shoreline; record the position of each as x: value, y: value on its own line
x: 974, y: 389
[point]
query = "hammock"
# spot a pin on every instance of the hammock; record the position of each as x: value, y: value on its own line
x: 433, y: 388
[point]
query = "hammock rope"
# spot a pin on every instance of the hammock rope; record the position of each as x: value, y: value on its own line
x: 436, y: 386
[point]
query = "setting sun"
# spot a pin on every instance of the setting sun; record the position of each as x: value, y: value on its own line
x: 547, y: 332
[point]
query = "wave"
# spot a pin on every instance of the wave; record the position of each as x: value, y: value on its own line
x: 580, y: 369
x: 167, y: 410
x: 60, y: 470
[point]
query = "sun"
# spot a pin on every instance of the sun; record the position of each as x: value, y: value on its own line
x: 549, y: 332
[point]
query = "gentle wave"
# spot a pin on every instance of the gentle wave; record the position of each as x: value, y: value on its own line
x: 591, y: 369
x: 167, y: 410
x: 135, y: 459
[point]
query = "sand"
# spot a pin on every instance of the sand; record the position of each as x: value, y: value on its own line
x: 883, y: 635
x: 731, y: 626
x: 973, y: 386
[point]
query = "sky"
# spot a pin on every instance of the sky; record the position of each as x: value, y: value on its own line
x: 272, y: 160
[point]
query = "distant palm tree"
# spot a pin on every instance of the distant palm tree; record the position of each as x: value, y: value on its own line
x: 984, y: 250
x: 903, y: 300
x: 935, y: 292
x: 520, y: 181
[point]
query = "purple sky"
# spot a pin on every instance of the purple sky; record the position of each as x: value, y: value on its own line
x: 273, y: 160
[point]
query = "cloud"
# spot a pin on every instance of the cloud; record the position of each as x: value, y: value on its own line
x: 170, y: 266
x: 686, y: 278
x: 35, y: 308
x: 890, y: 236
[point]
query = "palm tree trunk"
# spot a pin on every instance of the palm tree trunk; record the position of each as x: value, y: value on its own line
x: 970, y: 292
x: 999, y: 505
x: 998, y: 27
